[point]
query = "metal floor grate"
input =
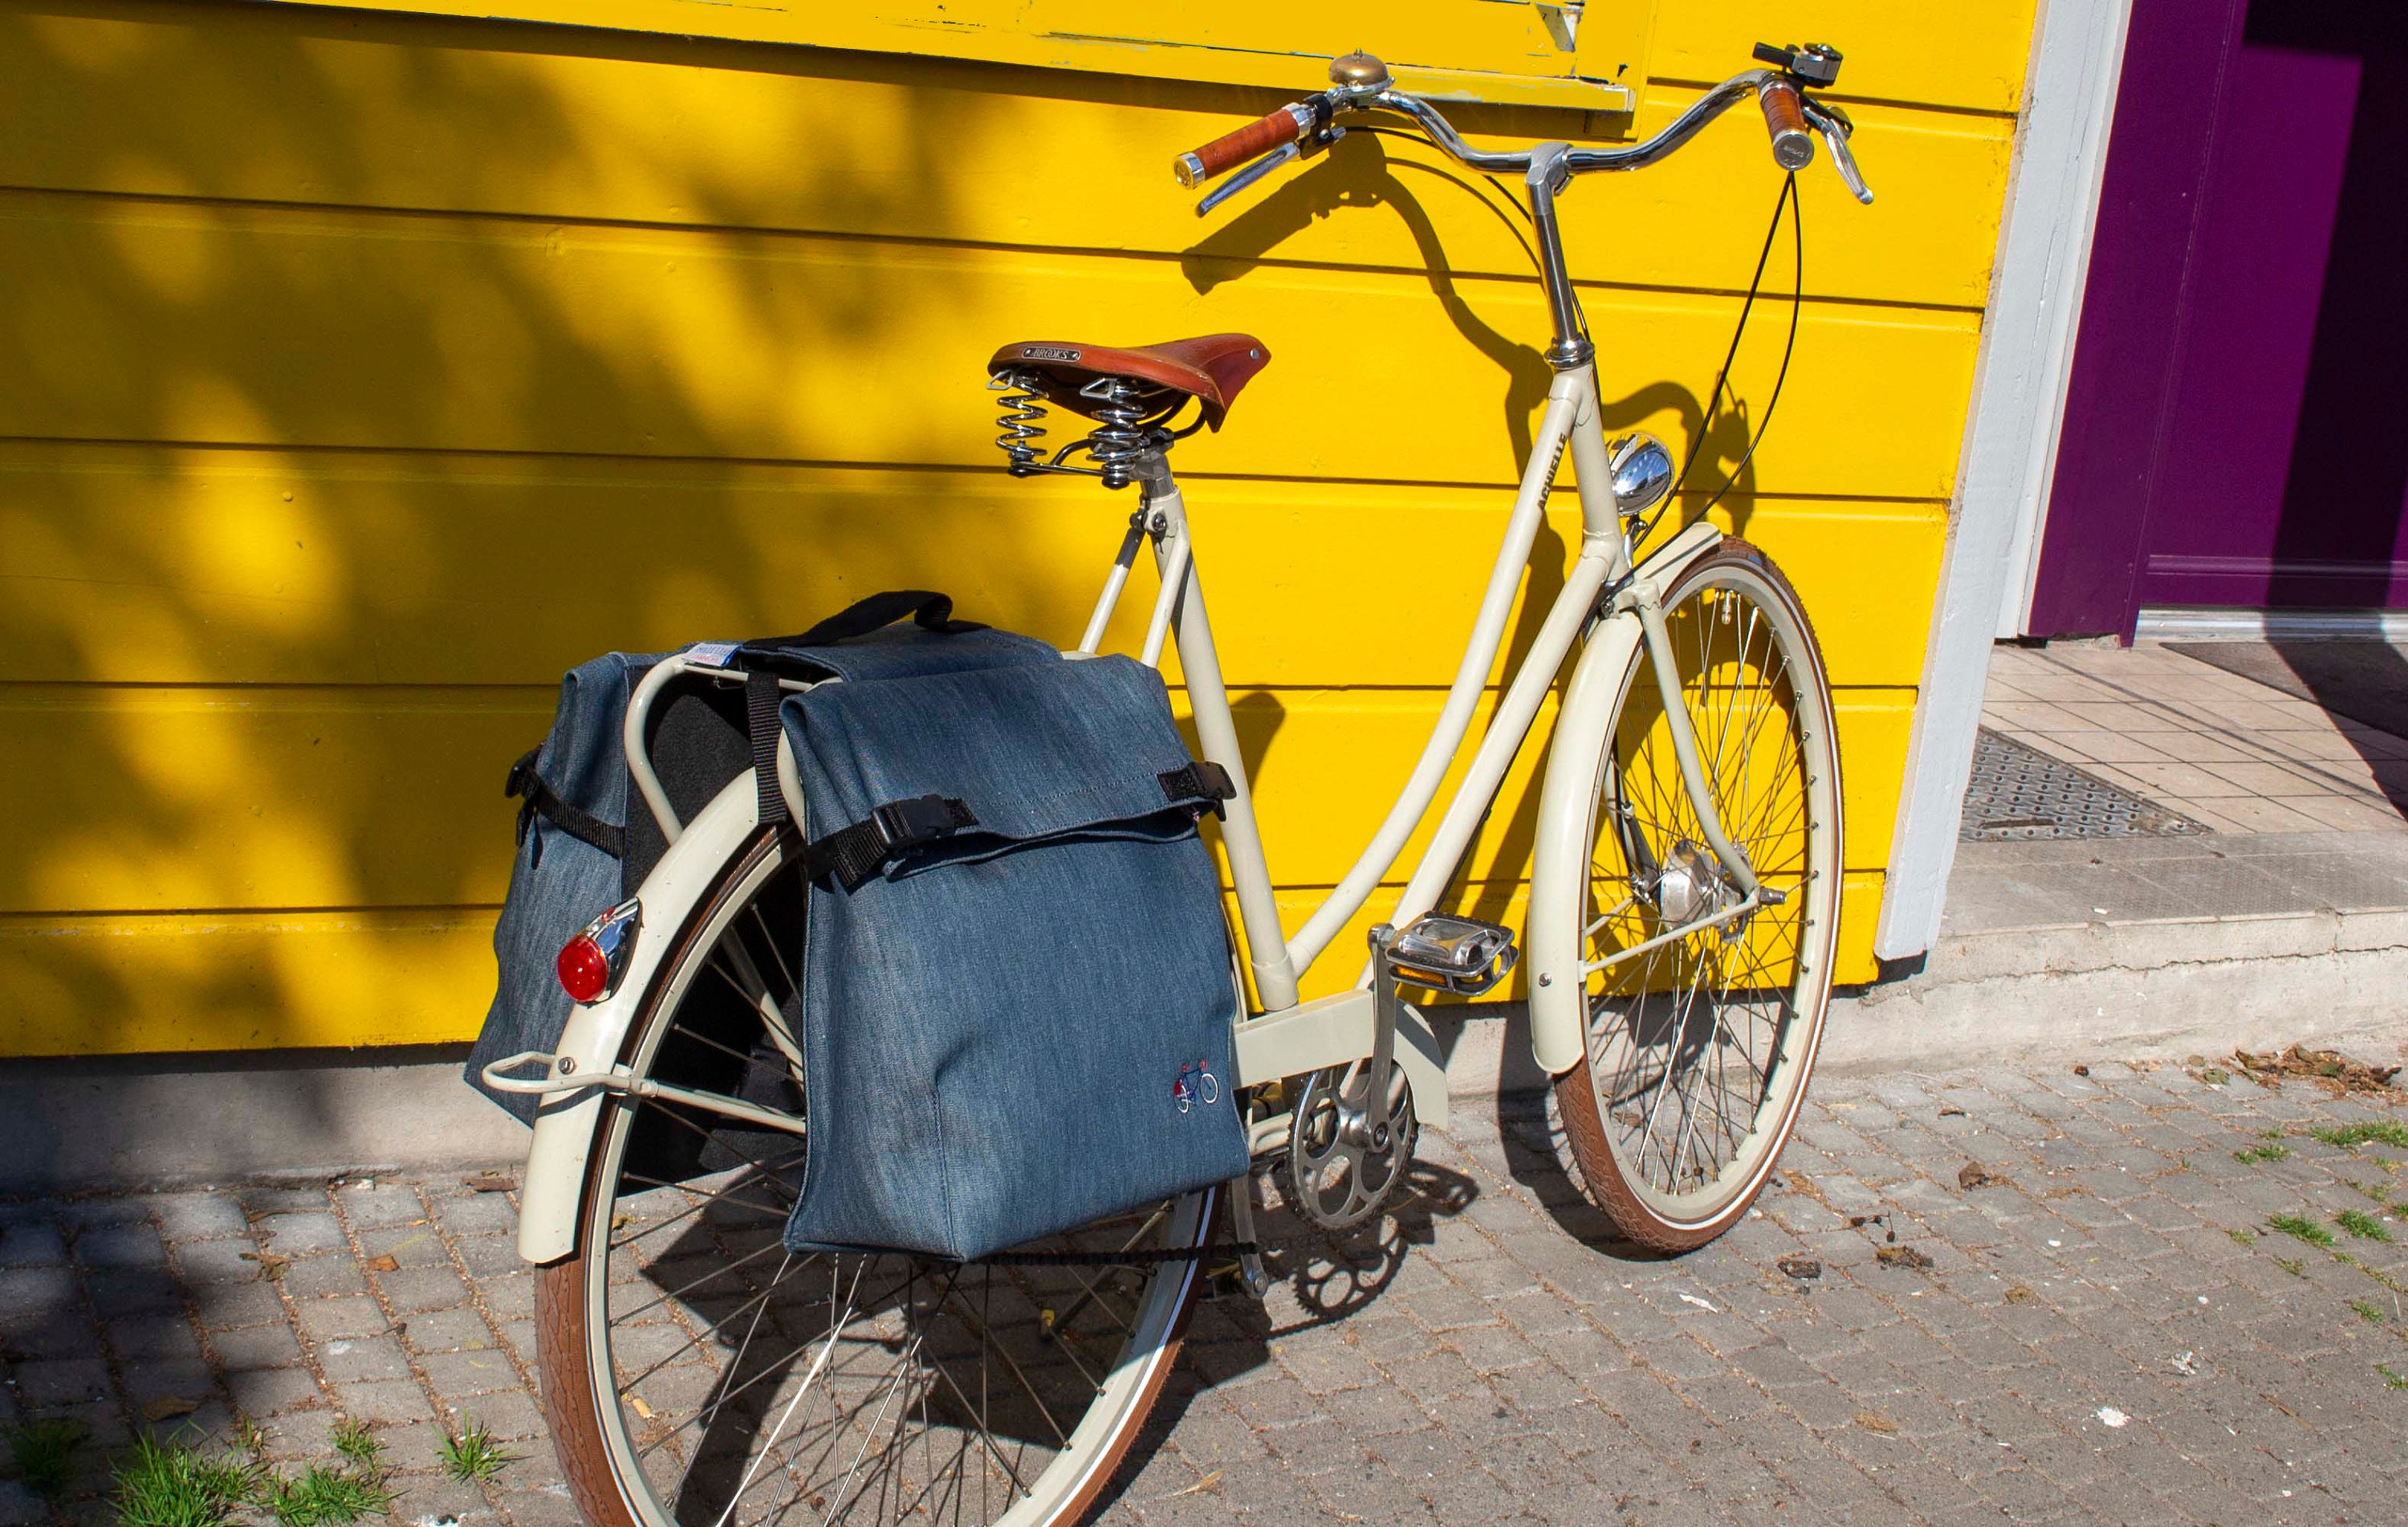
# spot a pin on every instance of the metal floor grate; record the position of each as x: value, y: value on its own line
x: 2018, y: 792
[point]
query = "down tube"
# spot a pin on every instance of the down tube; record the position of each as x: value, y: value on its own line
x: 1571, y: 412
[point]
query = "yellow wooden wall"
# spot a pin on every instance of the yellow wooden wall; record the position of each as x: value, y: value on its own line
x: 359, y: 373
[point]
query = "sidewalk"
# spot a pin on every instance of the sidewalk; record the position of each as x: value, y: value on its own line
x: 2262, y: 901
x: 2111, y: 1332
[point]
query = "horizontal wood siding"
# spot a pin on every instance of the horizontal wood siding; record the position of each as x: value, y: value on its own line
x: 367, y: 370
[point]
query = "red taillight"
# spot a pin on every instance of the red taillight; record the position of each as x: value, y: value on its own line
x: 584, y: 970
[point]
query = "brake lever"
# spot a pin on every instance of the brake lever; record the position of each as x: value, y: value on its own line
x: 1248, y: 175
x: 1833, y: 123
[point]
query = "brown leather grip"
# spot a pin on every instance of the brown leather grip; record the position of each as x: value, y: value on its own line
x: 1793, y: 147
x: 1232, y: 149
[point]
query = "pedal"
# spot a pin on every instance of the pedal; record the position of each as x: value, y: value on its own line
x: 1463, y: 956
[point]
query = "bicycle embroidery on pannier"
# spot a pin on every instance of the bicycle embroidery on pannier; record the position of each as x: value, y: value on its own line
x: 1205, y: 1087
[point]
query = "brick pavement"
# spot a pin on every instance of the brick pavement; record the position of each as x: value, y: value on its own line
x: 2109, y: 1333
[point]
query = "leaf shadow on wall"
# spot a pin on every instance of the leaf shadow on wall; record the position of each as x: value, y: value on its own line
x: 370, y: 371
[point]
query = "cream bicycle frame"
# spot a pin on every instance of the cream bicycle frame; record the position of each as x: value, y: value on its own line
x: 1572, y: 424
x: 1288, y: 1036
x: 1615, y: 606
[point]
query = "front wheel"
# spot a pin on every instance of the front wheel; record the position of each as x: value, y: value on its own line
x: 1698, y: 1049
x: 698, y: 1374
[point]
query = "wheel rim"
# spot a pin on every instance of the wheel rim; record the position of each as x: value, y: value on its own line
x: 737, y: 1383
x: 1699, y: 1047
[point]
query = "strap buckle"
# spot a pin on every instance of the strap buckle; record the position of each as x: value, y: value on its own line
x: 922, y: 818
x: 854, y: 855
x: 1198, y: 779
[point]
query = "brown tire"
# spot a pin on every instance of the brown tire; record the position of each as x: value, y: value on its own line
x: 1662, y: 1025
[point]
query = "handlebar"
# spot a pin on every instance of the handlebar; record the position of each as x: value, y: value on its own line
x: 1790, y: 117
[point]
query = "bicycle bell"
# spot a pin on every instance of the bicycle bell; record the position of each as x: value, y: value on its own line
x: 1358, y: 76
x: 1643, y: 472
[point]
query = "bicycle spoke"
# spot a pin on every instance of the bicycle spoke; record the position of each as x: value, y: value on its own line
x: 1684, y: 1037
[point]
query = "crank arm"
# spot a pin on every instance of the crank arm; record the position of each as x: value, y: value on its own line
x: 1387, y: 1002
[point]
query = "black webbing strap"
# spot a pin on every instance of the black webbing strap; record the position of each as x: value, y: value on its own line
x: 853, y: 855
x: 1198, y: 778
x: 526, y: 784
x: 929, y: 610
x: 761, y: 698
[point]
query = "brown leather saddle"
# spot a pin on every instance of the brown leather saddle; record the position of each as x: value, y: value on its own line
x: 1211, y: 369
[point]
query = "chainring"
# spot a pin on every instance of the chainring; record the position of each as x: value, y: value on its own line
x: 1338, y: 1182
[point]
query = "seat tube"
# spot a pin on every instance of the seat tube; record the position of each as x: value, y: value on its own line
x: 1216, y: 730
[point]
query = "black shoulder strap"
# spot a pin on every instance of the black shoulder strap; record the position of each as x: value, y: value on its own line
x: 930, y: 611
x: 525, y: 782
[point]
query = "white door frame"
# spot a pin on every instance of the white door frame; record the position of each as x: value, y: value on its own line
x: 2010, y: 440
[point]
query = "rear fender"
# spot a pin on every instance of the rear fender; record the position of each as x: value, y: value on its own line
x: 566, y: 1124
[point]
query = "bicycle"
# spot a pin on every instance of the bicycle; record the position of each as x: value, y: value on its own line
x: 1682, y: 917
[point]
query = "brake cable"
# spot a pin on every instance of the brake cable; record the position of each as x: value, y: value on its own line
x: 1786, y: 200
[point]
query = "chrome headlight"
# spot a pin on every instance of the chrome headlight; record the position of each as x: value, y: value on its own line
x: 1643, y: 473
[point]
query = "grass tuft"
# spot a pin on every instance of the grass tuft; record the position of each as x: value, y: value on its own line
x: 2247, y: 1237
x: 2302, y: 1229
x: 176, y: 1484
x: 2368, y: 1310
x: 356, y: 1443
x: 2390, y: 1379
x: 2389, y: 1132
x: 2361, y: 1224
x: 473, y: 1456
x: 2292, y: 1265
x: 41, y: 1451
x: 2259, y: 1153
x: 324, y: 1497
x: 173, y: 1485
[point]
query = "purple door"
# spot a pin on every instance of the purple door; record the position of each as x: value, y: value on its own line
x: 2236, y: 430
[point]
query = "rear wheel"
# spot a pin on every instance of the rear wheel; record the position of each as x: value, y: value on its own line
x: 1699, y: 1048
x: 696, y: 1372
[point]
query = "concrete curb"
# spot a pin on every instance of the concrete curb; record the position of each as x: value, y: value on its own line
x: 308, y: 1116
x: 2152, y: 989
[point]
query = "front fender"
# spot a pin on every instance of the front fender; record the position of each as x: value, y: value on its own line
x: 564, y: 1126
x: 1560, y: 857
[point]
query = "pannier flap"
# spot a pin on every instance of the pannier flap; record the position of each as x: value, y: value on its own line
x: 1029, y: 752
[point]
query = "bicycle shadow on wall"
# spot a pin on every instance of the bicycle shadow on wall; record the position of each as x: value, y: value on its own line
x: 1358, y: 174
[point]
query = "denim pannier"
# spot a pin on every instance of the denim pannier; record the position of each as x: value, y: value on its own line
x: 580, y: 849
x: 1018, y: 992
x: 572, y: 842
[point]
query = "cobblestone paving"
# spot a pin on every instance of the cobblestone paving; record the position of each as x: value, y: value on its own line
x: 2108, y: 1331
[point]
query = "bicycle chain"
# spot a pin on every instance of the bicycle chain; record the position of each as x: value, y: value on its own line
x: 1115, y: 1259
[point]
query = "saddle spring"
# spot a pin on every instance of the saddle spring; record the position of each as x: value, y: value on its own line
x: 1128, y: 417
x: 1023, y: 405
x: 1123, y: 415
